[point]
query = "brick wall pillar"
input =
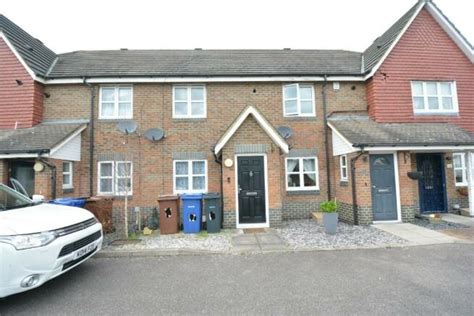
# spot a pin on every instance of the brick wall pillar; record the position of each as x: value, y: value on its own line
x: 408, y: 188
x: 3, y: 171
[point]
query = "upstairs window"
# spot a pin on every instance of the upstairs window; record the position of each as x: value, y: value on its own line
x: 189, y: 101
x: 116, y: 103
x: 190, y: 176
x: 302, y: 174
x: 460, y: 174
x: 298, y: 100
x: 67, y: 175
x: 431, y: 97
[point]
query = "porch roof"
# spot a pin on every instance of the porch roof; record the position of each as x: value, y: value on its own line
x: 40, y: 139
x: 361, y: 131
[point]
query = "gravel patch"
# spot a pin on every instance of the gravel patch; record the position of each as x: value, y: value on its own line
x: 423, y: 222
x: 202, y: 241
x: 301, y: 234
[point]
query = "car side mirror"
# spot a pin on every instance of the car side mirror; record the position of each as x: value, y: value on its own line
x: 37, y: 198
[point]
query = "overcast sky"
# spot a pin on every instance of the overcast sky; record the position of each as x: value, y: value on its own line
x: 138, y: 24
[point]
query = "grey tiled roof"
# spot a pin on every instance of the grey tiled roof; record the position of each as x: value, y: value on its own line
x: 35, y: 54
x: 40, y: 138
x: 129, y: 63
x: 360, y: 130
x: 375, y: 52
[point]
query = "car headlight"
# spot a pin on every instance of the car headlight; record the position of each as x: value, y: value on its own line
x: 21, y: 242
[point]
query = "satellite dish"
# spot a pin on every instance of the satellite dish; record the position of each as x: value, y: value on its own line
x: 127, y: 127
x: 154, y: 134
x: 285, y: 132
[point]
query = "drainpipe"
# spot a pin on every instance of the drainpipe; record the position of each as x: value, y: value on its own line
x: 326, y: 138
x: 53, y: 176
x: 355, y: 210
x: 219, y: 161
x: 91, y: 138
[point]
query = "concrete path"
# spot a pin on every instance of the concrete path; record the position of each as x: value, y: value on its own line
x: 415, y: 234
x: 258, y: 242
x: 458, y: 219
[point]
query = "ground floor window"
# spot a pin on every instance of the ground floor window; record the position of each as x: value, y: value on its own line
x: 67, y: 175
x: 459, y: 164
x: 190, y: 176
x: 302, y: 174
x: 115, y: 178
x: 343, y: 165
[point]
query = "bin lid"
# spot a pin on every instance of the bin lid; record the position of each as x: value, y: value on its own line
x: 211, y: 195
x: 194, y: 196
x: 68, y: 199
x: 168, y: 197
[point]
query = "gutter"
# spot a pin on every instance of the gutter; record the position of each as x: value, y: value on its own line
x: 91, y: 138
x: 326, y: 139
x: 355, y: 210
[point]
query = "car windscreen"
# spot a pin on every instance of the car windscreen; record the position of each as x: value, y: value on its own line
x: 10, y: 199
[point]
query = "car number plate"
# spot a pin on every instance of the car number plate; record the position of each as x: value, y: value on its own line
x: 81, y: 252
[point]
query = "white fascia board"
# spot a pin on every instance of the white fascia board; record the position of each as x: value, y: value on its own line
x: 264, y: 124
x: 451, y: 31
x: 19, y: 155
x: 340, y: 135
x: 206, y: 79
x: 68, y: 139
x: 18, y: 56
x: 395, y: 42
x: 419, y: 148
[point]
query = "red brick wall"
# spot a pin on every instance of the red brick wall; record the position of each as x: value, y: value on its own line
x: 153, y: 163
x: 425, y: 52
x: 18, y: 103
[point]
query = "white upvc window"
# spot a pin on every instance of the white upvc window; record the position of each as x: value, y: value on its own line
x: 343, y: 168
x: 116, y: 103
x: 298, y: 100
x: 434, y: 97
x: 302, y: 174
x: 67, y: 175
x: 189, y: 176
x: 459, y: 167
x: 189, y: 101
x: 115, y: 178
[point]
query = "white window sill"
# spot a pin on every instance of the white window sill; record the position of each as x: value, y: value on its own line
x: 302, y: 189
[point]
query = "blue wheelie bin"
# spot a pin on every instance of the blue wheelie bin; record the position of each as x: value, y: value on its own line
x: 77, y: 202
x: 192, y: 211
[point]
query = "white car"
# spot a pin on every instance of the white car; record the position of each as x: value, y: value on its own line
x: 38, y: 242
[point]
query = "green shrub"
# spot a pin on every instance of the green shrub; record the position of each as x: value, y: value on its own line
x: 329, y: 206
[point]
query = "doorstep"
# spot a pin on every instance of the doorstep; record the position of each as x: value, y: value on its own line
x: 458, y: 219
x: 265, y: 241
x: 415, y: 234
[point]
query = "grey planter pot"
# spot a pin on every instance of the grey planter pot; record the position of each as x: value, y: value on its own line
x: 330, y: 222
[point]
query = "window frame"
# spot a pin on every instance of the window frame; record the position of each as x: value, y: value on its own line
x: 463, y: 168
x: 343, y: 167
x: 69, y: 173
x: 298, y: 100
x: 190, y: 176
x: 301, y: 174
x: 189, y: 101
x: 115, y: 189
x: 440, y: 110
x: 116, y: 101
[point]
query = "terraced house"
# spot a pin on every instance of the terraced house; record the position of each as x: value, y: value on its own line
x: 388, y: 131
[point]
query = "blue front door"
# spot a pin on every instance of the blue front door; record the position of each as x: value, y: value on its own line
x: 384, y: 191
x: 432, y: 183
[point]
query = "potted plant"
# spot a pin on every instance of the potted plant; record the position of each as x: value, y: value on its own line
x: 330, y: 216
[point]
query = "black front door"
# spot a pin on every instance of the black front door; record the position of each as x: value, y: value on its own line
x: 23, y: 171
x: 431, y: 185
x: 384, y: 191
x: 251, y: 189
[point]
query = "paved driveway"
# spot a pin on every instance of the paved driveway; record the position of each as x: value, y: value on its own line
x: 427, y: 280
